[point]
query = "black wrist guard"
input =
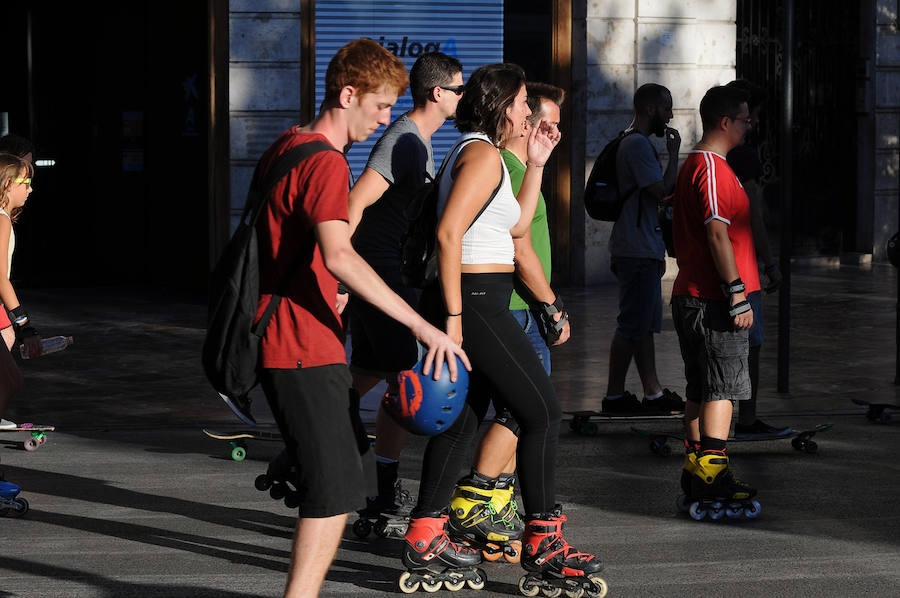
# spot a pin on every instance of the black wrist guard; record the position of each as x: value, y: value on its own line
x: 739, y: 308
x: 22, y: 323
x: 342, y: 290
x: 552, y: 328
x: 733, y: 288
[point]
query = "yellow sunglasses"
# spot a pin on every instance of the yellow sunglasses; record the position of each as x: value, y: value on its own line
x: 24, y: 181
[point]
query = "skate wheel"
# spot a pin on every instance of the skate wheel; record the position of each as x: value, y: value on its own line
x: 432, y: 587
x: 716, y: 511
x: 683, y: 503
x: 552, y: 592
x: 478, y: 582
x: 277, y: 491
x: 20, y: 508
x: 292, y: 501
x: 734, y: 511
x: 31, y: 444
x: 811, y: 447
x: 696, y: 511
x: 238, y: 453
x: 492, y: 552
x: 576, y: 593
x: 454, y: 586
x: 361, y: 529
x: 528, y: 586
x: 405, y: 586
x: 262, y: 482
x: 603, y: 587
x: 752, y: 510
x: 513, y: 552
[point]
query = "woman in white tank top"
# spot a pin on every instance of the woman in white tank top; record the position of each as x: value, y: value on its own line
x: 476, y: 272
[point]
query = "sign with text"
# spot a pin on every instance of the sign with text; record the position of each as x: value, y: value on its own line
x: 470, y: 30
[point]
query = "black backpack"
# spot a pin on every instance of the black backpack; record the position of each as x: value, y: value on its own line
x: 418, y: 255
x: 602, y: 199
x: 231, y: 349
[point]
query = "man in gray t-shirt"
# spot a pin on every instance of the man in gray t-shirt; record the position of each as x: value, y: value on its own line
x: 638, y: 252
x: 396, y: 170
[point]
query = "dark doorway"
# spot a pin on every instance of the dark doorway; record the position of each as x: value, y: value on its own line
x: 826, y: 46
x: 120, y: 104
x: 528, y: 37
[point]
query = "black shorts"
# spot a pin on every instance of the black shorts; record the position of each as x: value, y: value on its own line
x: 381, y: 346
x: 312, y: 408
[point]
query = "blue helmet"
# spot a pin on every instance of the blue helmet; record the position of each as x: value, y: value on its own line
x: 424, y: 405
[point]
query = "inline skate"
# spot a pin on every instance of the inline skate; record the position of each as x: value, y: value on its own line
x: 433, y: 560
x: 280, y: 480
x: 10, y: 503
x: 486, y: 519
x: 717, y: 493
x: 687, y: 472
x: 388, y: 513
x: 553, y: 565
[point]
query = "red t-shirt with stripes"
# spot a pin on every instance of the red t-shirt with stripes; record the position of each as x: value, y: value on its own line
x: 707, y: 189
x: 305, y: 330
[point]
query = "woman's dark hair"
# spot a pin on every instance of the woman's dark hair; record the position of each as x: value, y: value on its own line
x: 490, y: 90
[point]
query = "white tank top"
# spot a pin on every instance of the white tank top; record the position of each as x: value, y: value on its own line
x: 488, y: 240
x: 12, y: 245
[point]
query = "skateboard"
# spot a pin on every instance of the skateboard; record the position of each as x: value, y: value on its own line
x: 582, y: 425
x: 879, y: 412
x: 801, y: 441
x: 38, y: 435
x: 236, y: 439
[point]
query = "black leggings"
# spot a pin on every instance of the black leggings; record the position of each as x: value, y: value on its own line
x: 506, y: 370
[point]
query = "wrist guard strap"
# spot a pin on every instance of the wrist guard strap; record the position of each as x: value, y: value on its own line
x: 739, y: 308
x: 553, y: 327
x: 22, y: 323
x: 734, y: 287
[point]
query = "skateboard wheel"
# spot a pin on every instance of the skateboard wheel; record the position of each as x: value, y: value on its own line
x: 590, y: 429
x: 262, y: 482
x: 238, y: 453
x: 361, y: 529
x: 31, y: 444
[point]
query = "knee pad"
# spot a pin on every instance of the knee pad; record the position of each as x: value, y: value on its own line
x: 505, y: 419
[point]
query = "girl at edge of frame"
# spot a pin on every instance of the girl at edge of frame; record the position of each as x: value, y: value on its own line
x: 476, y: 270
x: 15, y: 187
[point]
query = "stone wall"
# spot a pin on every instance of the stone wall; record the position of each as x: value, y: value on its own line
x: 264, y: 84
x: 686, y: 45
x: 887, y: 124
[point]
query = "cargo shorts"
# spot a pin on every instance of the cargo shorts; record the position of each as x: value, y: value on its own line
x: 716, y: 356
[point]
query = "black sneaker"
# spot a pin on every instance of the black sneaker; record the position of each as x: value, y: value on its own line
x: 241, y: 408
x: 627, y: 403
x: 669, y: 402
x: 760, y: 429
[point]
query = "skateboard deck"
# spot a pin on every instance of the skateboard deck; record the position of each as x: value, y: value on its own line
x: 879, y: 412
x: 801, y: 440
x: 236, y: 439
x: 582, y: 425
x: 38, y: 435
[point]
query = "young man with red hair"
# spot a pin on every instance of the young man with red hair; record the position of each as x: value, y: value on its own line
x: 305, y: 375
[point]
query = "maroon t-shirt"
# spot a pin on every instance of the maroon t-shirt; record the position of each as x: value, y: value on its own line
x: 305, y: 330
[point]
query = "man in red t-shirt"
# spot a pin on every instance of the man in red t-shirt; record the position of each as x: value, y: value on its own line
x: 305, y: 375
x: 717, y: 268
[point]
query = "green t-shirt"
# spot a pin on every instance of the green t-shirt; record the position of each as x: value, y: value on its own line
x: 540, y: 231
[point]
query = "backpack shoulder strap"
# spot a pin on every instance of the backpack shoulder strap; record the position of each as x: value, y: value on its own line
x: 261, y: 190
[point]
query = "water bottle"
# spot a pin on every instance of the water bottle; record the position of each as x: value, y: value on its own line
x: 48, y: 345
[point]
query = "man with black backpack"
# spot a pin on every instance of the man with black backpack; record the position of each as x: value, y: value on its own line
x: 637, y: 253
x: 303, y: 230
x: 379, y: 214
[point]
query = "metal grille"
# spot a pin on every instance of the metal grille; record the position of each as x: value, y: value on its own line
x: 824, y: 128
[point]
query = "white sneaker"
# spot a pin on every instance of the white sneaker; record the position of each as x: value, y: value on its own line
x: 5, y: 424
